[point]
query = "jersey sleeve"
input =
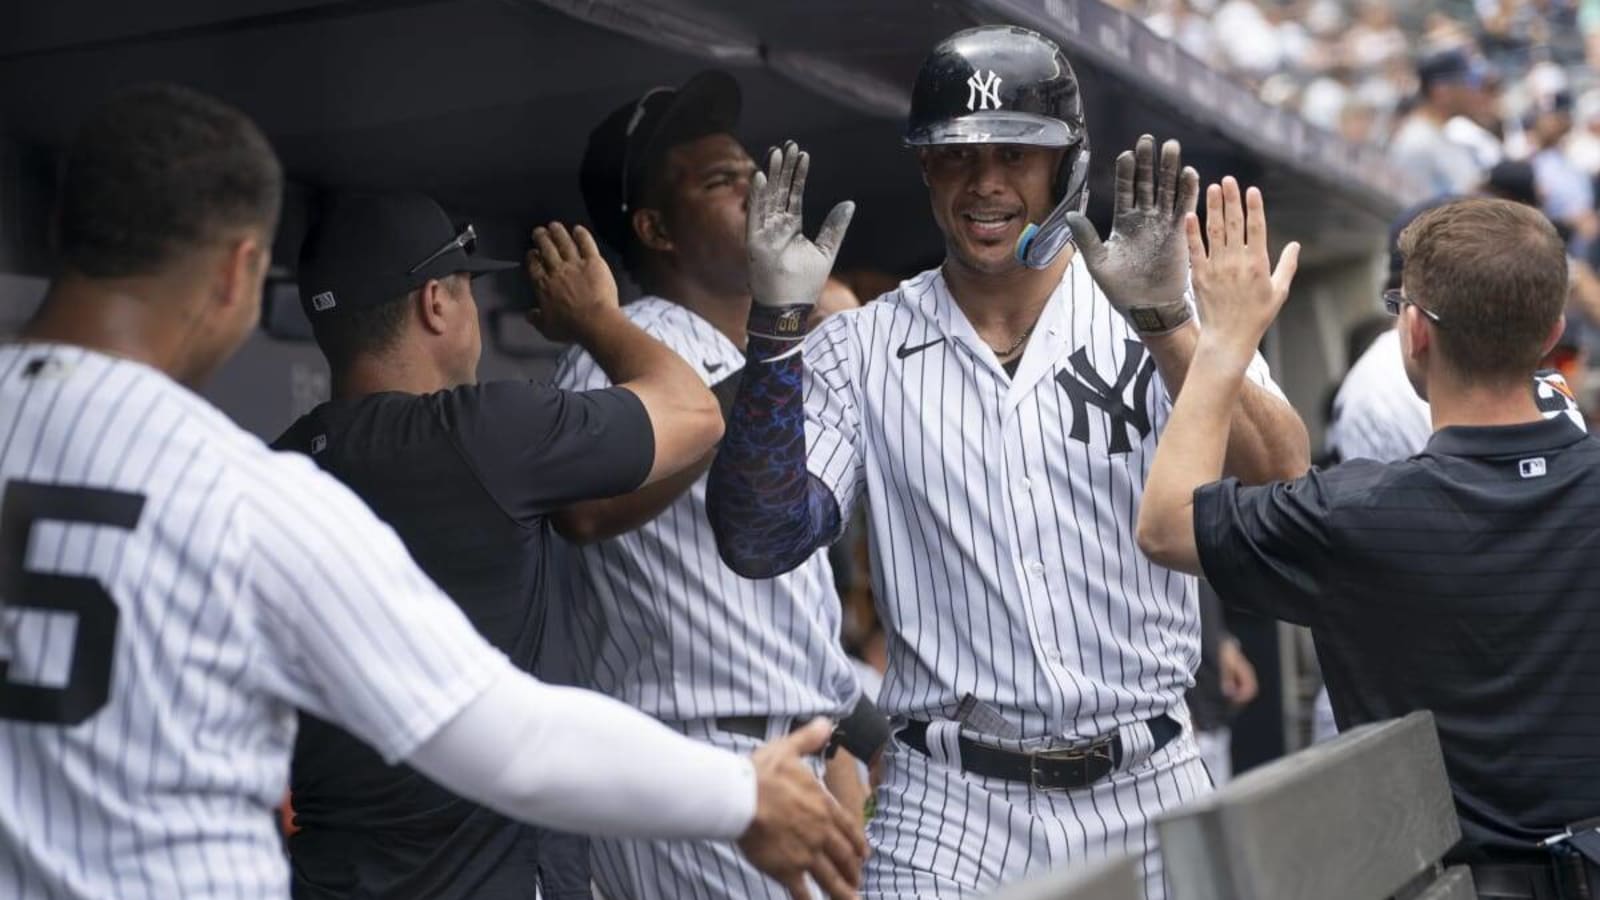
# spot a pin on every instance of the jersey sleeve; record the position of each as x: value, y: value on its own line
x: 1260, y: 374
x: 1373, y: 426
x: 350, y: 628
x: 539, y: 448
x: 578, y: 371
x: 833, y: 422
x: 1266, y: 548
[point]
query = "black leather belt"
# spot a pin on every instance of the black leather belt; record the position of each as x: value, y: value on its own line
x: 756, y: 727
x: 862, y: 732
x: 751, y: 726
x: 1515, y: 881
x: 1050, y: 770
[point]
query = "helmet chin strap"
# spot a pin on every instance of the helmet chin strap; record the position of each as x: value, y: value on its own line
x: 1039, y: 245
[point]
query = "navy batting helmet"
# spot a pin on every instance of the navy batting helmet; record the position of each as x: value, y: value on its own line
x: 1000, y: 84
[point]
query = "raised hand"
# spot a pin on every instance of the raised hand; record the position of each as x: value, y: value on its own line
x: 1143, y: 266
x: 786, y: 268
x: 1238, y: 293
x: 572, y: 285
x: 798, y: 829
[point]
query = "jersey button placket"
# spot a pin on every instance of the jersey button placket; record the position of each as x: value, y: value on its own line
x: 1031, y: 570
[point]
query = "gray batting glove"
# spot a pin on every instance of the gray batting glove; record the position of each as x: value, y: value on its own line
x: 1144, y: 266
x: 787, y: 271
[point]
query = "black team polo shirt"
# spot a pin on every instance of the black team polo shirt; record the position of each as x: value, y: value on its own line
x: 468, y: 478
x: 1466, y: 581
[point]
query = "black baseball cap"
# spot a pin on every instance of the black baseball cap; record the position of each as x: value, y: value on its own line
x: 1452, y: 65
x: 635, y: 136
x: 367, y: 249
x: 1514, y: 180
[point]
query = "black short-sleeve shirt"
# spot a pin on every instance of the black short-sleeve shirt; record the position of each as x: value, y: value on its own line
x: 467, y: 477
x: 1460, y: 581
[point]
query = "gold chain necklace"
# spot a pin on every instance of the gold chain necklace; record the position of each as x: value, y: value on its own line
x: 1002, y: 354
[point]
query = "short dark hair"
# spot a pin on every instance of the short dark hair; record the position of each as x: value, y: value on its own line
x: 348, y: 333
x: 344, y: 335
x: 1495, y: 272
x: 652, y: 193
x: 156, y: 171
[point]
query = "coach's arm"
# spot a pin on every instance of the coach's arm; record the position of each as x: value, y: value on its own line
x: 1267, y: 440
x: 578, y: 302
x: 1239, y: 295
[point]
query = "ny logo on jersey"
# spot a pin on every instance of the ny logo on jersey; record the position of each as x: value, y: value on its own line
x: 1086, y: 388
x: 984, y: 92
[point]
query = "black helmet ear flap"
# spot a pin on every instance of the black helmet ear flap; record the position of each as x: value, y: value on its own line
x: 1074, y: 188
x: 1039, y: 245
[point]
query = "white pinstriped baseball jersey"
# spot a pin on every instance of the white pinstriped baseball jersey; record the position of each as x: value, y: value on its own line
x: 674, y: 631
x: 172, y: 590
x: 1377, y: 414
x: 1003, y: 509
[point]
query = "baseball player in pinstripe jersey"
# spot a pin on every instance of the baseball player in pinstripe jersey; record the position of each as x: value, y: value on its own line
x: 1000, y: 412
x: 173, y: 590
x: 671, y: 629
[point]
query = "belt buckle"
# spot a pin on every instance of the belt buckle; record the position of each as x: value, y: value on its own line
x: 1099, y: 749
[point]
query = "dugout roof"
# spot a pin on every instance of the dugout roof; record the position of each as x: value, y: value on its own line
x: 486, y: 103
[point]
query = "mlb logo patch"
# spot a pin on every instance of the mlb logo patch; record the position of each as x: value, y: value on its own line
x: 1532, y: 468
x: 319, y: 443
x: 323, y: 301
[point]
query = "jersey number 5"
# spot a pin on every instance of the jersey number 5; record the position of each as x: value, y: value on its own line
x: 88, y: 682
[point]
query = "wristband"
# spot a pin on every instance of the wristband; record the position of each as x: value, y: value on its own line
x: 863, y: 732
x: 779, y: 323
x: 1153, y: 320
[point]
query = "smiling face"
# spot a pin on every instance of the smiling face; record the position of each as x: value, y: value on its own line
x: 984, y: 195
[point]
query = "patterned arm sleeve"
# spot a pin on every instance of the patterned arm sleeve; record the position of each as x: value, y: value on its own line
x: 768, y: 511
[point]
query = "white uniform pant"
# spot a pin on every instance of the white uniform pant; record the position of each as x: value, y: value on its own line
x: 695, y: 870
x: 943, y: 833
x: 1216, y: 751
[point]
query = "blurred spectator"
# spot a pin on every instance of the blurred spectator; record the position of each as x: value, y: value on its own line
x: 1508, y: 28
x: 1252, y: 45
x: 1567, y: 192
x: 1451, y: 82
x: 1589, y: 22
x: 1513, y: 181
x: 1324, y: 101
x: 1358, y: 121
x: 1375, y: 39
x: 1441, y: 30
x: 1583, y: 145
x: 1480, y: 128
x: 1179, y: 21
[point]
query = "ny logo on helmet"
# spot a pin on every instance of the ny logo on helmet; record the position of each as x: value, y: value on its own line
x: 984, y: 92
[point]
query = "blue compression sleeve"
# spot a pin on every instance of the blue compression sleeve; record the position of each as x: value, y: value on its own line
x: 769, y: 514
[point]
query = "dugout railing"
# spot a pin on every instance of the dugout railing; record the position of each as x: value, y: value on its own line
x: 1115, y: 879
x: 1365, y: 816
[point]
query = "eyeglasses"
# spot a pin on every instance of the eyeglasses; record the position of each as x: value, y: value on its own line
x: 463, y: 241
x: 1393, y: 299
